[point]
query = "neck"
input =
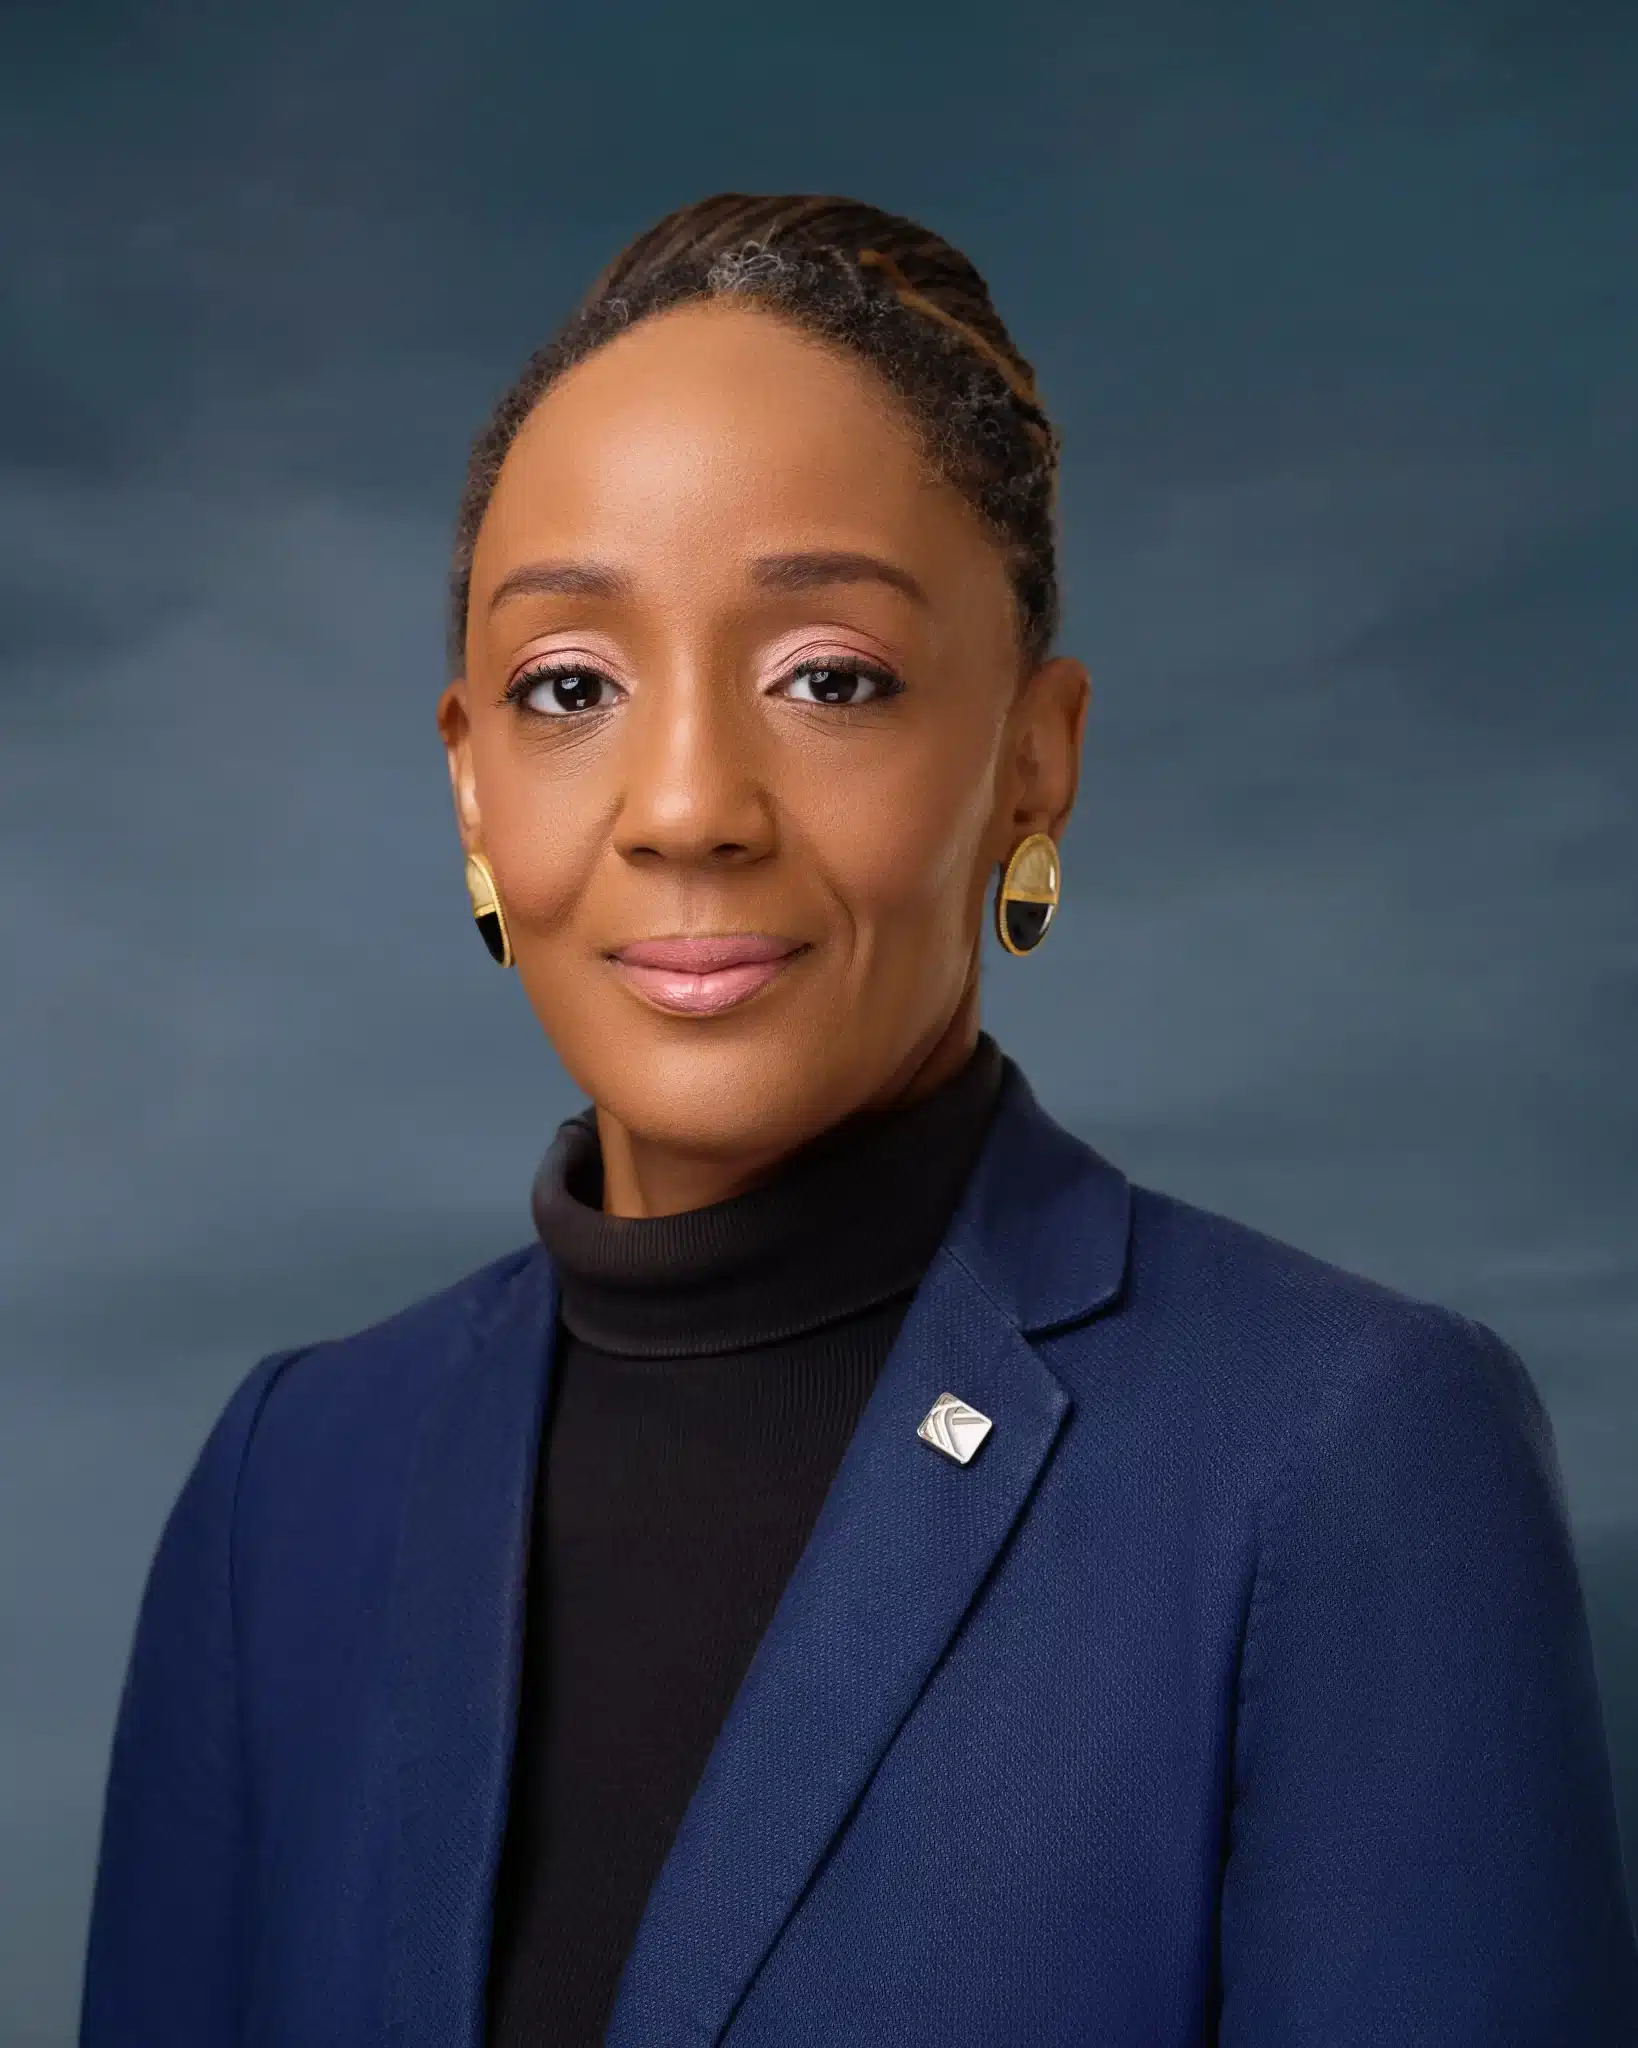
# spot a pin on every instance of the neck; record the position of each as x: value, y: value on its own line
x: 645, y: 1177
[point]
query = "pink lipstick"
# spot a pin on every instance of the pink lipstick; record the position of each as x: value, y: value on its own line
x: 700, y: 976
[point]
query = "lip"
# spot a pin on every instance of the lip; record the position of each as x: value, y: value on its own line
x: 701, y: 976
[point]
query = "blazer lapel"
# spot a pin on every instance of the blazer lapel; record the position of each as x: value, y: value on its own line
x: 456, y: 1632
x: 899, y: 1551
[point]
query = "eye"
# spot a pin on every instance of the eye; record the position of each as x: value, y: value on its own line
x: 558, y: 689
x: 844, y: 679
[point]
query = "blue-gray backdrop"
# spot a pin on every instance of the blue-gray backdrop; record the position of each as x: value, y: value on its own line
x: 1338, y: 311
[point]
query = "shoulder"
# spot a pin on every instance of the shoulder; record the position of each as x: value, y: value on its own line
x: 332, y: 1416
x: 398, y: 1361
x: 1194, y: 1262
x: 1343, y: 1451
x: 283, y: 1534
x: 1189, y: 1328
x: 1287, y: 1361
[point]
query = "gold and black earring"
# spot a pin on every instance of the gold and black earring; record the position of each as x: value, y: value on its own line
x: 1028, y: 894
x: 486, y: 908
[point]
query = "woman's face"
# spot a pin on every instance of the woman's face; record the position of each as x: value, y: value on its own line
x: 736, y: 666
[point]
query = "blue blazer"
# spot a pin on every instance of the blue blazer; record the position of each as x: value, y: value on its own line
x: 1237, y: 1691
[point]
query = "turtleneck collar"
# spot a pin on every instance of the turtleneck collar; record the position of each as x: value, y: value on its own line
x: 848, y: 1221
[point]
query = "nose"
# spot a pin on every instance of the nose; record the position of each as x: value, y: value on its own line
x: 694, y: 775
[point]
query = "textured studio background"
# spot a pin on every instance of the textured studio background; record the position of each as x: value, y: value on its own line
x: 1338, y: 310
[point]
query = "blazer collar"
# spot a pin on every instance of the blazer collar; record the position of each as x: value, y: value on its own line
x: 1044, y: 1222
x: 901, y: 1546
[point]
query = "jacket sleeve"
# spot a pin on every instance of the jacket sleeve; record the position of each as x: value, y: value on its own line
x: 170, y: 1909
x: 1422, y: 1840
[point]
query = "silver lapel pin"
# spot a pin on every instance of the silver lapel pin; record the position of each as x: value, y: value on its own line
x: 952, y: 1427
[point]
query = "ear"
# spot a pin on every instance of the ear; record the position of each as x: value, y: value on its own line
x: 1048, y: 720
x: 455, y: 729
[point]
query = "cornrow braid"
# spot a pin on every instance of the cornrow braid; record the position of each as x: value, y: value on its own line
x: 1020, y: 380
x: 875, y: 284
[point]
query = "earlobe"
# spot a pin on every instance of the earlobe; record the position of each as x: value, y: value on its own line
x: 467, y: 813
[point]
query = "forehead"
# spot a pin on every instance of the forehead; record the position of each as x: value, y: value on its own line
x: 715, y: 423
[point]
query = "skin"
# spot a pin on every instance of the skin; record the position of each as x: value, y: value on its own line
x: 700, y: 787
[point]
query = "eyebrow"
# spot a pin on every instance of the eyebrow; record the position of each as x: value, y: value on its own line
x: 808, y: 570
x: 819, y: 566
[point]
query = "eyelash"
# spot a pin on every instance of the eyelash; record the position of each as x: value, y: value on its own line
x: 531, y: 678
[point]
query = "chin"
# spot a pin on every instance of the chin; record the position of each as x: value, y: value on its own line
x: 719, y: 1085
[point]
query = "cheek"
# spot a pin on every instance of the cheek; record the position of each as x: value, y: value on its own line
x: 907, y: 857
x: 542, y: 830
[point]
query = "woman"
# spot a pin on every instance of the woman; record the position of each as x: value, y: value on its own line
x: 867, y: 1573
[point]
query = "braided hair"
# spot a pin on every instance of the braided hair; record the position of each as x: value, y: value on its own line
x: 890, y: 291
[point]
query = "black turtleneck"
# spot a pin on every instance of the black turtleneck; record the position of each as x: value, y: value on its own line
x: 710, y: 1368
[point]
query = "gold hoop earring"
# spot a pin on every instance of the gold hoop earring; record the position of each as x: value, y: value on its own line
x: 486, y: 908
x: 1028, y: 895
